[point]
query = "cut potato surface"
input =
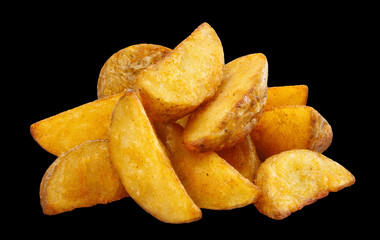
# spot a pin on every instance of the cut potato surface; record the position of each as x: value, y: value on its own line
x: 209, y: 180
x: 120, y: 70
x: 291, y: 127
x: 187, y: 76
x: 82, y: 177
x: 295, y: 178
x: 235, y: 109
x: 64, y: 131
x: 143, y: 165
x: 286, y: 96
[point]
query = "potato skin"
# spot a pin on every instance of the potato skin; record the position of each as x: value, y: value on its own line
x: 321, y: 134
x: 230, y: 132
x: 240, y: 118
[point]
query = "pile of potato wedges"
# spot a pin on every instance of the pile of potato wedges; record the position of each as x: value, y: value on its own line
x: 181, y: 130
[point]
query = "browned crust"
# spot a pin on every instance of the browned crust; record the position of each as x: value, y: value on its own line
x: 277, y: 214
x: 46, y: 207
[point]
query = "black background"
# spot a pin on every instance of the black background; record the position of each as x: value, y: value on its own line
x: 60, y: 50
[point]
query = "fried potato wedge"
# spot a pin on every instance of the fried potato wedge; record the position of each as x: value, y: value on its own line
x: 209, y: 180
x: 243, y: 157
x: 81, y: 177
x: 235, y: 109
x: 295, y: 178
x: 62, y: 132
x: 120, y: 70
x: 291, y: 127
x: 187, y: 76
x: 286, y: 96
x: 143, y: 165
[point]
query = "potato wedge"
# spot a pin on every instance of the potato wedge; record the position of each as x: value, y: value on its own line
x: 81, y: 177
x: 295, y: 178
x: 243, y: 157
x: 187, y: 76
x: 291, y: 127
x: 209, y: 180
x: 143, y: 165
x: 120, y: 70
x: 286, y: 96
x: 62, y: 132
x: 234, y: 110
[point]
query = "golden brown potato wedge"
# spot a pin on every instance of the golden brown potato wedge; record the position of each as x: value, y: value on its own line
x: 234, y: 110
x: 209, y: 180
x: 143, y: 165
x: 62, y: 132
x: 243, y: 157
x: 291, y: 127
x: 286, y: 96
x: 82, y: 177
x: 187, y: 76
x: 295, y: 178
x: 120, y: 70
